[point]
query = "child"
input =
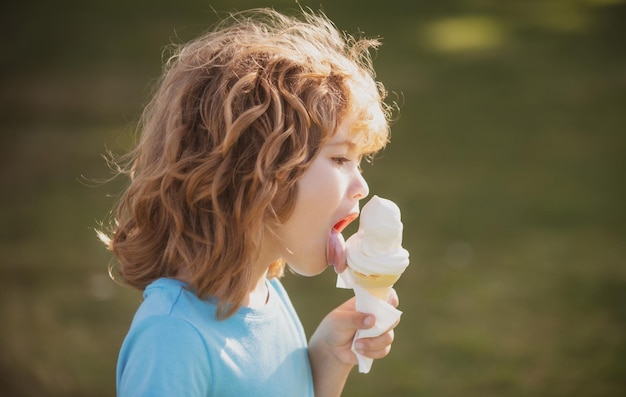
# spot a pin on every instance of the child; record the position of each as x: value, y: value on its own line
x: 248, y: 159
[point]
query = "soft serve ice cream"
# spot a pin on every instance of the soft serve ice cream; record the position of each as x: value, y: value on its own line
x: 375, y: 260
x: 374, y: 253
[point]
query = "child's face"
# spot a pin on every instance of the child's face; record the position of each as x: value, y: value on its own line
x: 328, y: 197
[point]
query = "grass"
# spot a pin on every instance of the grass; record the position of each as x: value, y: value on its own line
x: 507, y: 162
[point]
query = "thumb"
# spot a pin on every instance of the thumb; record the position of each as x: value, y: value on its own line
x: 351, y: 320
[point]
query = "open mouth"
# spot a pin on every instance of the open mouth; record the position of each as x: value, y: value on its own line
x: 336, y: 248
x: 344, y: 222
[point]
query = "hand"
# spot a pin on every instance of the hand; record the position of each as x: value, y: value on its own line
x: 379, y: 346
x: 330, y: 347
x: 336, y: 333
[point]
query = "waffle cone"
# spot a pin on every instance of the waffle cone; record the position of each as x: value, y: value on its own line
x: 378, y: 285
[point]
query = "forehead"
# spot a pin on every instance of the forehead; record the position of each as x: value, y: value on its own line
x: 365, y: 131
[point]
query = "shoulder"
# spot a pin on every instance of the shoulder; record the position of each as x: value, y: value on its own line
x: 163, y: 353
x: 169, y: 316
x: 160, y: 298
x: 164, y: 328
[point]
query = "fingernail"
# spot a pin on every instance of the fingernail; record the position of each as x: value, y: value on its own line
x: 359, y: 346
x: 369, y: 321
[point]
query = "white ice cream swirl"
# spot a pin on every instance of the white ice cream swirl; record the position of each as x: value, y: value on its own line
x: 376, y: 248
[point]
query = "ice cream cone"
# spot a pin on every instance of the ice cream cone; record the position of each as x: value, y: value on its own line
x: 379, y: 285
x: 374, y: 253
x: 376, y: 260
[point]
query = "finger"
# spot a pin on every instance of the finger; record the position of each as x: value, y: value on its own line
x: 376, y: 354
x: 393, y: 299
x: 377, y: 342
x: 362, y: 320
x: 350, y: 320
x: 376, y: 347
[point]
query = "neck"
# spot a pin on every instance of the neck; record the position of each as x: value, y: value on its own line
x: 259, y: 295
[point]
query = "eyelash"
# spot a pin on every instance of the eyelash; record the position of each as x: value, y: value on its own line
x: 340, y: 160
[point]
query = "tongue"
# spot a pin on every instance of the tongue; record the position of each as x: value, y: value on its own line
x: 336, y: 251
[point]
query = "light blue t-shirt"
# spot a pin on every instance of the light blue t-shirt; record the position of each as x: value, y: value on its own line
x: 177, y: 347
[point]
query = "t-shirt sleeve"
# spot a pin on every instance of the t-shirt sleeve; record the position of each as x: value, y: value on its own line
x: 163, y: 356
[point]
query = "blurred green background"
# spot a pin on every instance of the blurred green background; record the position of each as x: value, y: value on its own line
x: 507, y: 160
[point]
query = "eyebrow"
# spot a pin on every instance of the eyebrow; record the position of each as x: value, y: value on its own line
x: 346, y: 142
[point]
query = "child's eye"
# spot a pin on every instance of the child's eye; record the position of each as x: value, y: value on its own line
x: 340, y: 160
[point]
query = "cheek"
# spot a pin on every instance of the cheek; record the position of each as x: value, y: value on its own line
x: 323, y: 182
x: 309, y: 218
x: 317, y: 204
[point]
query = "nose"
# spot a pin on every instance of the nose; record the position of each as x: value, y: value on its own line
x: 359, y: 187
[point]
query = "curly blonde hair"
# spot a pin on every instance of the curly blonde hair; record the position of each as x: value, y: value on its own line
x: 236, y: 119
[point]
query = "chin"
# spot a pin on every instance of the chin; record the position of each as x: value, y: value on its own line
x: 308, y: 271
